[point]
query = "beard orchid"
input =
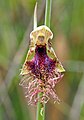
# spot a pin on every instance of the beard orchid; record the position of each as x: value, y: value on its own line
x: 41, y: 70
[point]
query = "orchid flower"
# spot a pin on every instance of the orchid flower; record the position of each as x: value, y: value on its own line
x: 41, y: 70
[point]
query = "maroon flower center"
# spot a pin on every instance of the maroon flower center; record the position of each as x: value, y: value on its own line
x: 41, y: 64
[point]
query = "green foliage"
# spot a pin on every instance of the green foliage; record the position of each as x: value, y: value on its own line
x: 82, y: 113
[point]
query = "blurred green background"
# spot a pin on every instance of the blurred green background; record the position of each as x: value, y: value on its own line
x: 67, y: 24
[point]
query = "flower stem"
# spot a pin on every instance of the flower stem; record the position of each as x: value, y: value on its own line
x: 48, y: 13
x: 40, y: 109
x: 41, y: 106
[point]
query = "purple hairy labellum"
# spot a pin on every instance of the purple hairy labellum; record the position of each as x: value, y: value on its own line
x: 41, y: 70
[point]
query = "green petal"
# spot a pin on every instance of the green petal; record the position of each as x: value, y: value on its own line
x: 60, y: 67
x: 51, y: 54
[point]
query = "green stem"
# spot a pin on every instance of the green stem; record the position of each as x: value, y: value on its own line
x: 40, y: 109
x: 40, y: 106
x: 48, y: 12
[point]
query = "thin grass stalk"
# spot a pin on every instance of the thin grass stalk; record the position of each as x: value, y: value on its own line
x: 48, y: 12
x: 40, y: 106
